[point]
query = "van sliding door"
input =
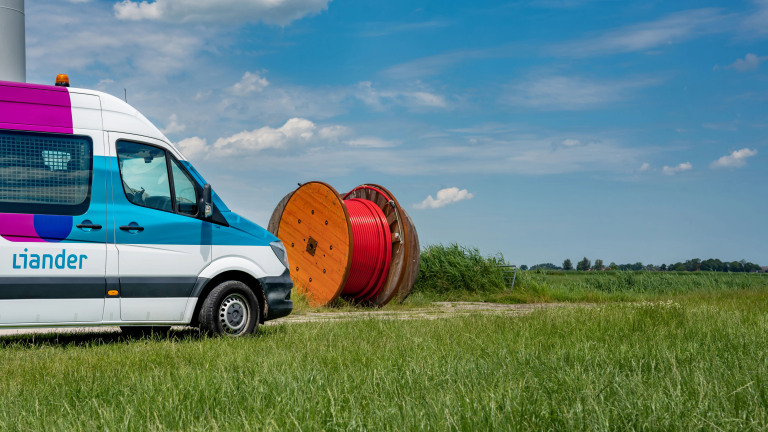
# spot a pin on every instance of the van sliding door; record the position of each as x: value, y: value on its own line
x: 52, y: 227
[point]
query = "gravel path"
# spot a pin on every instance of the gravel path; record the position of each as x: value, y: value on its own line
x: 435, y: 311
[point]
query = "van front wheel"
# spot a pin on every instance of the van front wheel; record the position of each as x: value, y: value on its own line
x: 231, y: 309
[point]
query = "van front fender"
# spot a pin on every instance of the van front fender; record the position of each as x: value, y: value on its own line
x: 231, y: 263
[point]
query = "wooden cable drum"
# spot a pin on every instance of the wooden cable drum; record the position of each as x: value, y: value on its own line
x: 362, y: 247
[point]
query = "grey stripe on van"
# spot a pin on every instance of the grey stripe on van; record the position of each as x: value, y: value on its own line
x: 23, y: 288
x: 143, y: 287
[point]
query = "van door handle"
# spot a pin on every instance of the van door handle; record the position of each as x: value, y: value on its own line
x: 131, y: 228
x: 88, y: 225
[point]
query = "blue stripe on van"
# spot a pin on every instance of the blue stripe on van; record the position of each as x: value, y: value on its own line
x: 162, y: 227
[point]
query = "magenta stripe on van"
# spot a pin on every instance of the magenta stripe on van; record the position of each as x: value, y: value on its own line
x: 19, y: 228
x: 35, y: 108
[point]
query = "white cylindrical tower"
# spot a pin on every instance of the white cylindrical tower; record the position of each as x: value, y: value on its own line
x: 13, y: 58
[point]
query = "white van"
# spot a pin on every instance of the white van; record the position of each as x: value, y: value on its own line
x: 103, y: 222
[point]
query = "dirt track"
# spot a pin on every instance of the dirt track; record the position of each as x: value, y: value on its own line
x: 436, y: 311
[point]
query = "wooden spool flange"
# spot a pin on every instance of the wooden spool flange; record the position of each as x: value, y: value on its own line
x: 314, y: 225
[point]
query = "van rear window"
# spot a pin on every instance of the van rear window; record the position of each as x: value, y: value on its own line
x: 45, y: 173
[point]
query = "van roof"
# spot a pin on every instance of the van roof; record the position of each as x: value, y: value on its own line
x: 45, y: 108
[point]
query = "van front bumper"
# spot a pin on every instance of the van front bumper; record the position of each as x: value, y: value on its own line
x: 277, y: 290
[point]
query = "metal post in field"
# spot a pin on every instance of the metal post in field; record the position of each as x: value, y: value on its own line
x: 13, y: 59
x: 507, y: 269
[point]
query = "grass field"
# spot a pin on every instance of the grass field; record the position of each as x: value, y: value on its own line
x: 456, y: 273
x: 697, y: 362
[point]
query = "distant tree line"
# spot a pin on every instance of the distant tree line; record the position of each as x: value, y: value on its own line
x: 690, y: 265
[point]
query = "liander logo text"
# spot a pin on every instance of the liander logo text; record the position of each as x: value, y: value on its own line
x: 48, y: 261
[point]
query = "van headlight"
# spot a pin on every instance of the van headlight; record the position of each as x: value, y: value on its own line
x: 279, y: 250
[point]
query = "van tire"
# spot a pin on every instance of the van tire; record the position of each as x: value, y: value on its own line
x: 231, y: 309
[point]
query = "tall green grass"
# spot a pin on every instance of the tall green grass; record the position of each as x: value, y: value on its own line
x: 689, y: 365
x: 454, y: 268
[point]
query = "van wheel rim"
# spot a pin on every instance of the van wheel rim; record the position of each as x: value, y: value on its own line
x: 234, y: 314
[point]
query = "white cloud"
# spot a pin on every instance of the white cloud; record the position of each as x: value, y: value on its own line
x: 685, y: 166
x: 128, y: 10
x: 674, y: 28
x: 424, y: 99
x: 57, y: 39
x: 247, y: 143
x: 504, y: 151
x: 295, y: 133
x: 644, y: 167
x: 102, y: 84
x: 366, y: 93
x: 386, y: 29
x: 251, y: 82
x: 570, y: 93
x: 193, y: 147
x: 174, y: 126
x: 756, y: 21
x: 414, y: 99
x: 371, y: 142
x: 151, y: 60
x: 445, y: 197
x: 748, y: 63
x: 431, y: 65
x: 435, y: 64
x: 333, y: 133
x: 536, y: 156
x: 280, y: 12
x: 571, y: 142
x: 559, y: 4
x: 276, y: 103
x: 295, y: 130
x: 736, y: 159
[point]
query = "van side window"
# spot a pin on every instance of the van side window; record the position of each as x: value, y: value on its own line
x: 45, y: 173
x: 144, y: 171
x: 186, y: 195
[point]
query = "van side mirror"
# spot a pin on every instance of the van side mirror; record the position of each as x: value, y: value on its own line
x: 207, y: 201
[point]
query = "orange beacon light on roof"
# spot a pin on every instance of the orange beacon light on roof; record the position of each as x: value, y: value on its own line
x: 62, y: 80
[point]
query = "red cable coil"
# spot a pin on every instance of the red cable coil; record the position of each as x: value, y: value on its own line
x: 371, y: 248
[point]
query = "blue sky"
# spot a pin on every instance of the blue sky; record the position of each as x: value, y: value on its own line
x: 541, y: 129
